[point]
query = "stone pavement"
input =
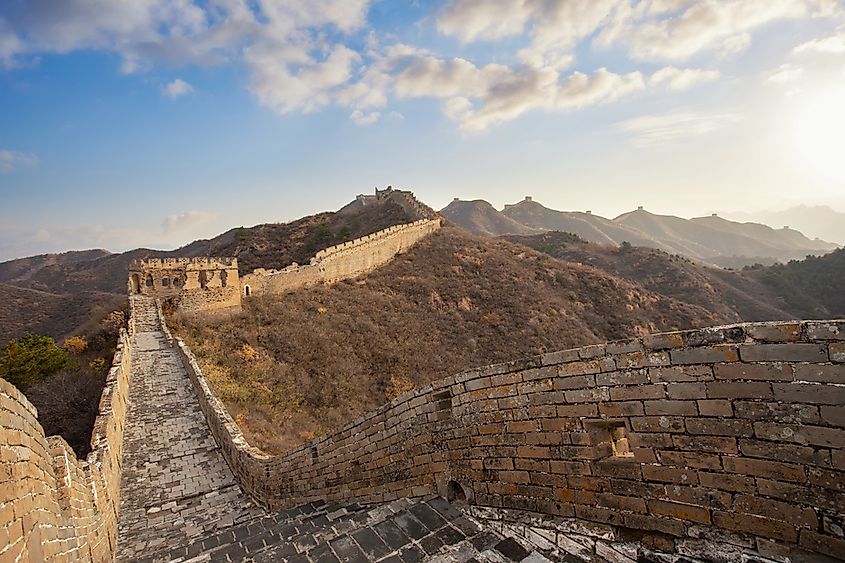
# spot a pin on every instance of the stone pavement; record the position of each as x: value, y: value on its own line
x: 175, y: 485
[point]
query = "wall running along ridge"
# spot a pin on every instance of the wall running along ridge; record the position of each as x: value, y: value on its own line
x: 733, y: 432
x: 52, y: 505
x: 341, y: 262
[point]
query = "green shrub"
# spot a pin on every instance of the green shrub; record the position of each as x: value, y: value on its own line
x: 31, y: 358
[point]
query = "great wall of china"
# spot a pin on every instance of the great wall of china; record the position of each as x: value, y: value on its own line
x: 719, y: 444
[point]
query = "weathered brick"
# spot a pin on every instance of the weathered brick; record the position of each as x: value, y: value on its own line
x: 669, y: 526
x: 705, y: 355
x: 522, y: 426
x: 757, y: 372
x: 594, y: 395
x: 792, y: 453
x: 717, y: 427
x: 533, y: 452
x: 776, y: 510
x: 658, y: 424
x: 783, y: 353
x: 727, y: 482
x: 513, y: 477
x: 834, y: 416
x: 686, y: 390
x: 639, y: 392
x: 715, y: 444
x: 594, y: 351
x: 575, y: 382
x: 697, y: 460
x: 834, y: 547
x: 680, y: 511
x: 560, y: 424
x: 617, y: 467
x: 625, y: 377
x: 503, y: 463
x: 577, y: 410
x: 624, y: 346
x: 670, y: 407
x: 715, y: 407
x: 739, y: 390
x: 827, y: 478
x: 764, y: 468
x: 799, y: 493
x: 837, y: 352
x: 825, y: 330
x: 559, y: 357
x: 775, y: 332
x: 777, y: 412
x: 622, y: 408
x: 756, y: 525
x: 809, y: 393
x: 681, y: 373
x: 801, y: 434
x: 618, y: 502
x: 820, y: 373
x: 663, y: 341
x: 665, y: 474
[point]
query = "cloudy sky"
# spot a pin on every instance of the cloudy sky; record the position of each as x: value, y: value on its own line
x: 153, y: 122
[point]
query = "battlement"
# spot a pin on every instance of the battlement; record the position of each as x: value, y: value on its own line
x: 199, y: 263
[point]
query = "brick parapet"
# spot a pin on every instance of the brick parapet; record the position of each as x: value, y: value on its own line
x: 736, y: 428
x: 343, y: 261
x: 53, y: 506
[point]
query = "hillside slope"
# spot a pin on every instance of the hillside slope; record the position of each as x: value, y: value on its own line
x: 480, y: 218
x: 56, y: 293
x: 732, y: 295
x: 454, y: 301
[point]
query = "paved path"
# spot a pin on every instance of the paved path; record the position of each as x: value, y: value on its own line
x: 175, y: 487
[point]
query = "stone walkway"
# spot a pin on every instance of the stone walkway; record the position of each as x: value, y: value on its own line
x: 175, y: 487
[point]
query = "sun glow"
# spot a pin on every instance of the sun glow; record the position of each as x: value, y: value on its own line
x: 819, y: 132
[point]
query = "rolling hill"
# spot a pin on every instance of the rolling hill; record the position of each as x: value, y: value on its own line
x: 481, y: 218
x: 711, y: 239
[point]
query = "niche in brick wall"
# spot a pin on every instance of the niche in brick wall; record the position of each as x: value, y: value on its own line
x: 610, y: 438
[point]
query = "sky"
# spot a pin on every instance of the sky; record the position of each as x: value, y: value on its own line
x: 127, y: 123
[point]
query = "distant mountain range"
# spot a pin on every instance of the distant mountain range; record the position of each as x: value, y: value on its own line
x: 711, y: 239
x: 819, y: 221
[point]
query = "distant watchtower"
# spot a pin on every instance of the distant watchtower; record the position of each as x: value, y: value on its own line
x: 189, y: 283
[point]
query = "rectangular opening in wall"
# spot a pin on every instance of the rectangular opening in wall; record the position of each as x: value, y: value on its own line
x: 610, y: 439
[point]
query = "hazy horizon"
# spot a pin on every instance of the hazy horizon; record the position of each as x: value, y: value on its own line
x: 151, y: 124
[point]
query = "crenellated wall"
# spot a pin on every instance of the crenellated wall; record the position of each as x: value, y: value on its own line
x: 735, y: 433
x: 342, y: 261
x: 52, y: 505
x: 191, y: 284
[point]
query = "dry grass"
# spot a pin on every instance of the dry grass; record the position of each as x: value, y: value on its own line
x: 293, y: 367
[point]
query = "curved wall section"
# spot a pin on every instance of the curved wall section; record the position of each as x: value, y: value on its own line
x: 738, y: 430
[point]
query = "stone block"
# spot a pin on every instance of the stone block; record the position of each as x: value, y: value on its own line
x: 680, y: 511
x: 775, y: 332
x: 792, y: 352
x: 755, y: 372
x: 704, y: 355
x: 825, y: 330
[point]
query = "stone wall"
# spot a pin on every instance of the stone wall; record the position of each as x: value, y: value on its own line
x: 340, y: 262
x: 53, y: 506
x: 733, y: 432
x: 190, y: 284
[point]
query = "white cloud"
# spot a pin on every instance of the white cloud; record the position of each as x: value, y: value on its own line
x: 680, y: 79
x: 833, y: 44
x: 186, y: 221
x: 364, y: 119
x: 677, y: 30
x: 785, y: 73
x: 13, y: 160
x: 650, y: 130
x: 177, y: 89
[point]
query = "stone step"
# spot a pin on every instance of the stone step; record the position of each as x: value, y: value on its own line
x: 401, y: 531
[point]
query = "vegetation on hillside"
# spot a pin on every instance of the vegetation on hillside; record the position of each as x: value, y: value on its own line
x: 452, y: 302
x: 811, y: 288
x: 64, y: 382
x: 732, y: 295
